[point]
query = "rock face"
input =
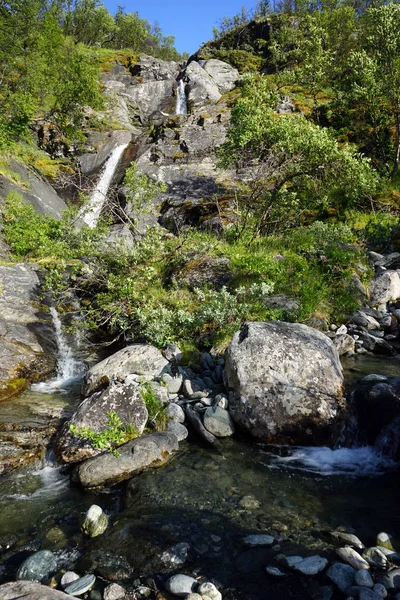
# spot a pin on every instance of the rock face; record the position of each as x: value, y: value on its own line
x: 30, y: 591
x: 124, y: 400
x: 138, y: 359
x: 148, y: 451
x: 24, y: 332
x: 385, y: 287
x: 286, y: 382
x: 37, y: 192
x: 102, y: 146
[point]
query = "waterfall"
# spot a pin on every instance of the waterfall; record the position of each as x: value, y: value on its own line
x: 69, y: 368
x: 181, y: 103
x: 90, y: 214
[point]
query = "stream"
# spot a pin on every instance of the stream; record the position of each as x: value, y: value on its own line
x: 193, y: 514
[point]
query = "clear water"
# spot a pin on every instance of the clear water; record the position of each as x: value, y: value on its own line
x: 181, y: 101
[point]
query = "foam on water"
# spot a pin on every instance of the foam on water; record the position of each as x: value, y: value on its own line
x: 181, y: 101
x: 356, y: 462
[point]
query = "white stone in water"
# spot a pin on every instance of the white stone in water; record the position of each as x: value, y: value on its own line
x: 81, y: 585
x: 311, y: 565
x: 208, y: 589
x: 181, y: 585
x: 68, y: 578
x: 274, y: 571
x: 259, y: 539
x: 96, y: 521
x: 364, y: 579
x: 353, y: 558
x: 375, y: 557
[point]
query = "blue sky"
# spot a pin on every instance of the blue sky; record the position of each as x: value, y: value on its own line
x: 190, y: 22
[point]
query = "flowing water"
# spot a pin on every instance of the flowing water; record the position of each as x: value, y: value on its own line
x: 90, y: 214
x: 181, y: 101
x: 207, y: 500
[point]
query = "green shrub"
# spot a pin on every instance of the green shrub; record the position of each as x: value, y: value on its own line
x: 115, y: 434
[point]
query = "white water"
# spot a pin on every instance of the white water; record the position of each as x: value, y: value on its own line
x: 362, y: 461
x: 90, y: 214
x: 181, y: 102
x: 69, y: 368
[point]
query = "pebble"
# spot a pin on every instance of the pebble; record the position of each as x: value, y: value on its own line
x: 380, y: 590
x: 180, y: 585
x: 385, y: 540
x: 68, y: 578
x: 96, y: 521
x: 80, y: 586
x: 292, y: 561
x: 176, y: 555
x: 375, y: 557
x: 352, y: 558
x: 342, y: 575
x: 208, y: 589
x: 249, y: 502
x: 311, y: 565
x: 175, y: 413
x: 260, y: 539
x: 364, y: 579
x: 348, y: 538
x: 275, y: 572
x: 114, y: 592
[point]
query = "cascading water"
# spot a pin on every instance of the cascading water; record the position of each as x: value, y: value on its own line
x: 181, y: 102
x: 69, y: 368
x: 91, y: 213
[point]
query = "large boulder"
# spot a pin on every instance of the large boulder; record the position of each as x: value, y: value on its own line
x: 124, y: 400
x: 139, y: 359
x: 285, y: 382
x: 18, y: 590
x: 384, y: 287
x: 224, y: 75
x: 152, y: 450
x: 201, y: 87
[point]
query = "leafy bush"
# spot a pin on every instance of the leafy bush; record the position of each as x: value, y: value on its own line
x: 157, y: 418
x: 113, y: 436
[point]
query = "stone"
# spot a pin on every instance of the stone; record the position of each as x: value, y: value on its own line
x: 18, y: 590
x: 374, y: 377
x: 223, y: 403
x: 224, y: 75
x: 194, y: 597
x: 385, y: 539
x: 176, y: 555
x: 348, y: 538
x: 68, y: 578
x: 249, y: 502
x: 178, y: 430
x: 172, y: 353
x: 37, y: 567
x: 124, y: 400
x: 275, y: 572
x: 391, y: 579
x: 286, y: 382
x: 175, y: 413
x: 342, y: 330
x: 218, y: 422
x: 138, y: 359
x: 380, y: 590
x: 173, y: 383
x: 342, y: 575
x: 375, y: 557
x: 105, y: 144
x: 353, y: 558
x: 151, y: 450
x: 96, y: 521
x: 343, y: 343
x: 259, y: 539
x: 311, y: 565
x: 367, y: 594
x: 208, y: 589
x: 81, y: 585
x: 282, y: 302
x: 292, y: 561
x: 202, y: 89
x: 114, y: 592
x: 180, y: 585
x: 363, y: 578
x: 384, y: 287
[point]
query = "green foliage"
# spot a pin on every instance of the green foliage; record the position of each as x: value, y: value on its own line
x: 115, y: 434
x: 157, y: 418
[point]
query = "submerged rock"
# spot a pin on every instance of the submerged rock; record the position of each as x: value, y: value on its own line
x: 342, y: 575
x: 37, y: 567
x: 81, y: 585
x: 311, y: 565
x: 259, y: 539
x: 286, y: 382
x: 151, y: 450
x: 218, y: 422
x: 96, y: 521
x: 180, y: 585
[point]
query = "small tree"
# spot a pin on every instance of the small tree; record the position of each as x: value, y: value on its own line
x: 291, y: 164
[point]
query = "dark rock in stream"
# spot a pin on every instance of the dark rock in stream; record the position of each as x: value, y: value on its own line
x: 38, y: 567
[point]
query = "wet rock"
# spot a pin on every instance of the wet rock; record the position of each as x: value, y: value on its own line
x: 375, y: 557
x: 342, y: 575
x: 175, y: 413
x: 343, y: 343
x: 68, y: 578
x: 385, y: 540
x: 311, y: 565
x: 173, y: 384
x: 178, y: 430
x: 37, y: 567
x: 363, y: 578
x: 105, y: 144
x: 96, y: 521
x: 218, y: 422
x: 391, y: 579
x: 367, y: 594
x: 353, y: 558
x: 138, y: 359
x: 380, y: 590
x: 180, y: 585
x: 259, y: 539
x: 176, y: 555
x: 208, y: 589
x: 81, y: 585
x: 348, y: 538
x: 147, y: 451
x: 7, y: 542
x: 249, y: 502
x: 275, y: 572
x: 124, y: 400
x: 292, y: 561
x: 30, y: 591
x: 114, y: 592
x: 197, y: 424
x: 286, y: 382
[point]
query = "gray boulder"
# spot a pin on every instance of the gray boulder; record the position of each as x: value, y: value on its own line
x: 384, y: 287
x: 201, y: 87
x: 124, y: 400
x: 18, y: 590
x: 149, y: 68
x: 37, y: 567
x: 311, y: 565
x: 218, y: 422
x: 286, y: 382
x: 342, y: 575
x: 152, y: 450
x: 224, y: 75
x: 353, y: 558
x: 180, y: 585
x: 343, y: 343
x: 138, y: 359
